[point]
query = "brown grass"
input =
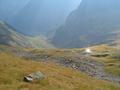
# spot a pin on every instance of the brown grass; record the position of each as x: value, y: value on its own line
x: 13, y: 69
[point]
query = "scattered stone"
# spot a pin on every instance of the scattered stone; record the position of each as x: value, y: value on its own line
x: 34, y: 77
x: 28, y: 79
x: 68, y: 61
x: 74, y: 66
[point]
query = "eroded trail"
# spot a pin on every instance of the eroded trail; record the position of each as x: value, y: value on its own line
x: 91, y: 67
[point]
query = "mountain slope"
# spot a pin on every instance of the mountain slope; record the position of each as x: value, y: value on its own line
x: 92, y: 23
x: 9, y: 36
x: 13, y: 69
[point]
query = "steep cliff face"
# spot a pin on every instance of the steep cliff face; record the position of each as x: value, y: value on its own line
x: 92, y: 23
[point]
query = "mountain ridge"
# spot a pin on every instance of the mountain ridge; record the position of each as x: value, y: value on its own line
x: 90, y: 24
x: 10, y: 36
x: 34, y: 17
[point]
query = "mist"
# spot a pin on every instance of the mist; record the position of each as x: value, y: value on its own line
x: 36, y: 17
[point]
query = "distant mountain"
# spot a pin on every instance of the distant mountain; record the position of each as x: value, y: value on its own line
x: 9, y: 36
x: 36, y: 17
x: 8, y: 8
x: 94, y: 22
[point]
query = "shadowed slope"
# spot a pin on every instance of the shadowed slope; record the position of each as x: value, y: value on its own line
x: 9, y: 36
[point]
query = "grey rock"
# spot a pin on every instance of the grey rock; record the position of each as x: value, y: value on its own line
x: 34, y: 77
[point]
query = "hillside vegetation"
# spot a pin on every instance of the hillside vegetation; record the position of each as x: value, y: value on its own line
x: 13, y: 69
x: 112, y: 61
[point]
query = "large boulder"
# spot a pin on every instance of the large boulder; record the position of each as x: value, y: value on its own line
x: 37, y: 76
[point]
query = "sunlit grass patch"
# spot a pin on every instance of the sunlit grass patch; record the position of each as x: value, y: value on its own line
x: 13, y: 69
